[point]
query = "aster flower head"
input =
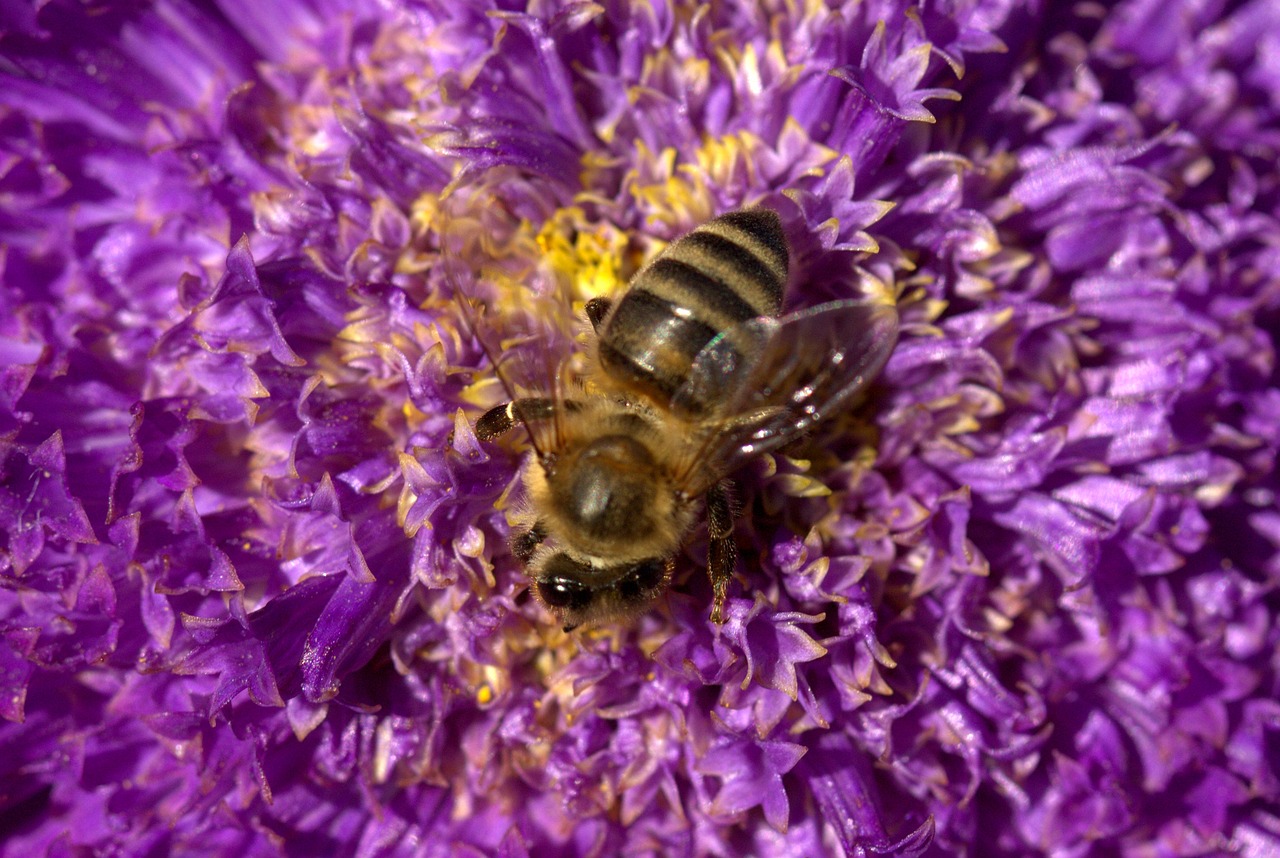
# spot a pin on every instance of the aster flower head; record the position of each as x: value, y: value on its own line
x: 258, y: 593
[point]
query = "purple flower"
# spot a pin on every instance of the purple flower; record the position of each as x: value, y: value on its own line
x: 257, y: 594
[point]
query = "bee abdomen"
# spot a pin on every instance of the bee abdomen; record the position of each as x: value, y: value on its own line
x: 727, y: 271
x: 744, y: 251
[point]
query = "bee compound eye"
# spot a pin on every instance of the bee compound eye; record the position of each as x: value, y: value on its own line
x: 641, y: 580
x: 564, y: 593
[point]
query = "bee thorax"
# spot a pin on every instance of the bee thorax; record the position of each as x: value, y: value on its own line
x: 608, y: 489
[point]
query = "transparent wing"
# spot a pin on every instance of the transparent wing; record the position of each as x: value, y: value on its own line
x: 777, y: 377
x: 518, y: 310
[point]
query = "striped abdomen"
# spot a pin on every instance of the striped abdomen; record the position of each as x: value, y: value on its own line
x: 726, y: 271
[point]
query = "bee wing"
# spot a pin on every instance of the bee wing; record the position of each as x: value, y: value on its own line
x: 518, y: 311
x: 778, y: 377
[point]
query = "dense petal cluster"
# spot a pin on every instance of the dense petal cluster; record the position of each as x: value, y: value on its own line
x: 256, y: 593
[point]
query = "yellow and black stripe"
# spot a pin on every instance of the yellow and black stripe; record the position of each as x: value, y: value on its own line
x: 725, y: 272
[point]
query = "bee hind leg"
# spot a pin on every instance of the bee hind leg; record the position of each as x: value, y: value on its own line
x: 722, y: 552
x: 499, y: 419
x: 597, y: 309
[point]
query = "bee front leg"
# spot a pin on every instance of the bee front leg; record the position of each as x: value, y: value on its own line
x: 722, y: 552
x: 524, y: 544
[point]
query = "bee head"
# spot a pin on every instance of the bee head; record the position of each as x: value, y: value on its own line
x: 577, y: 592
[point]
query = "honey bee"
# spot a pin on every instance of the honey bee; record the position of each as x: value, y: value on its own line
x: 694, y: 370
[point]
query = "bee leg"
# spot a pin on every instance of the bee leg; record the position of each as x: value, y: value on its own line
x: 597, y: 309
x: 722, y: 552
x: 524, y: 544
x: 499, y: 420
